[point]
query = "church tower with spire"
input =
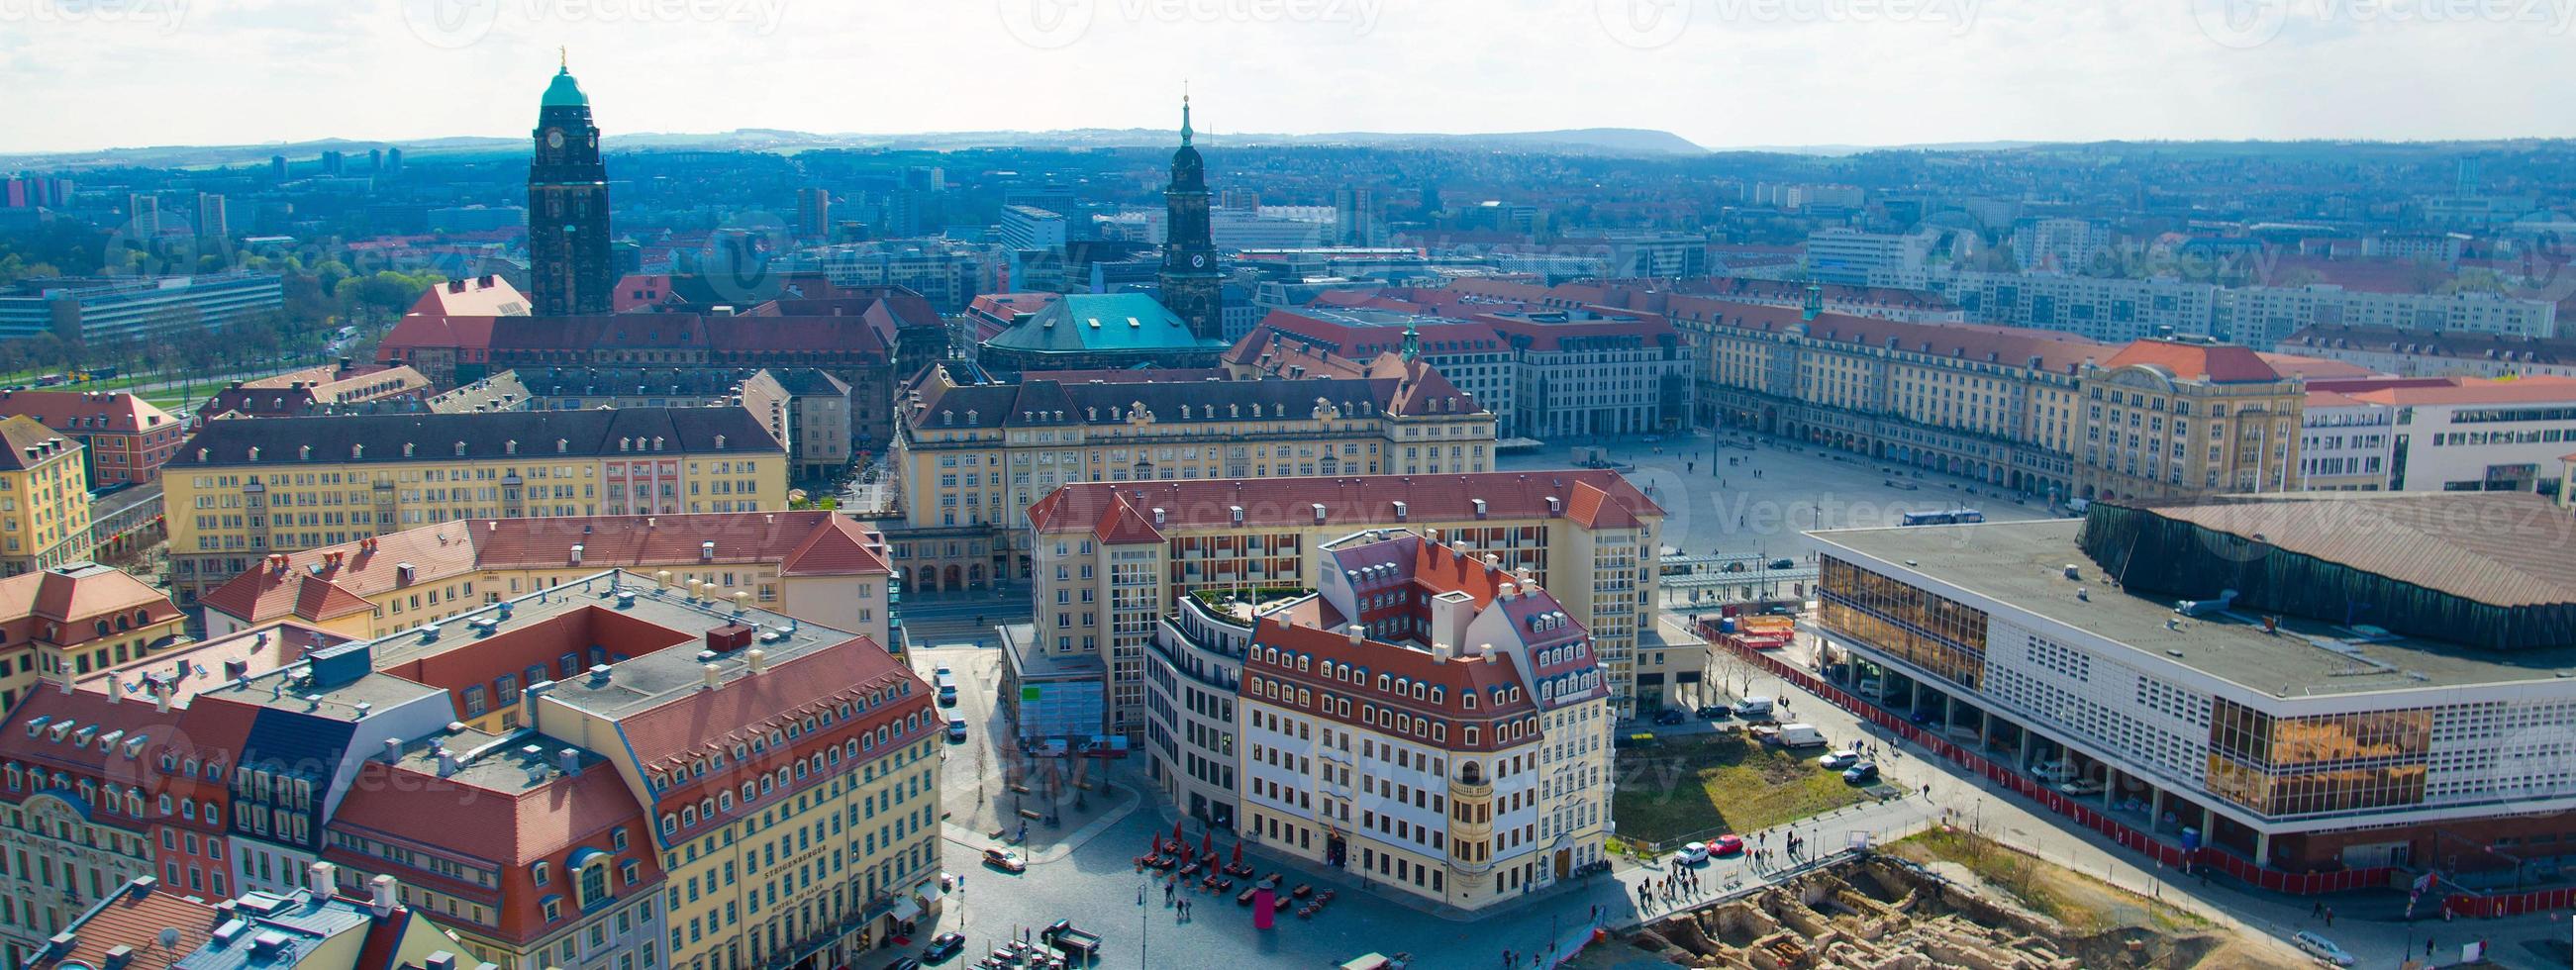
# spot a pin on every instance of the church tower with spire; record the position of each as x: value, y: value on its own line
x: 568, y: 206
x: 1193, y: 287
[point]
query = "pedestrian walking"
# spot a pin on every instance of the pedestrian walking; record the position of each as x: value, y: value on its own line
x: 2329, y: 916
x: 2316, y: 909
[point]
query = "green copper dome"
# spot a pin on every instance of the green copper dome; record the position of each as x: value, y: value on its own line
x: 565, y: 92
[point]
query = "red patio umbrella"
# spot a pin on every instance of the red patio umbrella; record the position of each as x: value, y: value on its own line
x: 1176, y: 830
x: 1207, y: 844
x: 1238, y: 852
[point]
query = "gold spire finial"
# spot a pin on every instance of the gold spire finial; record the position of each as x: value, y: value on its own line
x: 563, y: 60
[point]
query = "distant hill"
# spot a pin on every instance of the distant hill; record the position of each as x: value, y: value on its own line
x: 1623, y: 142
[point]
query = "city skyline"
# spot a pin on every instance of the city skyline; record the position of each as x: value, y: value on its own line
x: 1725, y: 73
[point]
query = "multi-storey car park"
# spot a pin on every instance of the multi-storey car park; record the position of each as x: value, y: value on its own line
x: 2307, y: 683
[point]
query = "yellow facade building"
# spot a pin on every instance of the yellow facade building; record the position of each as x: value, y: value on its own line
x: 44, y: 498
x: 2182, y: 418
x: 971, y: 457
x: 243, y: 489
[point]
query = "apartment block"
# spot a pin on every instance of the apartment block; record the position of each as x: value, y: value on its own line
x: 66, y: 622
x: 812, y: 566
x: 243, y: 489
x: 127, y: 437
x: 2182, y: 417
x: 1112, y: 559
x: 973, y: 454
x: 1423, y: 716
x: 44, y: 498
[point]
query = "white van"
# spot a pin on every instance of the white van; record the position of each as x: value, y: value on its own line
x: 1752, y: 707
x: 1799, y: 736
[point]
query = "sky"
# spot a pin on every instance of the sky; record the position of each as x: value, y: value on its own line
x: 89, y: 74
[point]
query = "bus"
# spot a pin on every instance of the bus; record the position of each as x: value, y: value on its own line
x: 1944, y: 517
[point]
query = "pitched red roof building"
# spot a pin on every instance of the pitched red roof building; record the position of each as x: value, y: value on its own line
x: 128, y: 437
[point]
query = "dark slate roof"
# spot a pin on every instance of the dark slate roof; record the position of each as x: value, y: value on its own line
x: 1020, y: 405
x: 586, y: 433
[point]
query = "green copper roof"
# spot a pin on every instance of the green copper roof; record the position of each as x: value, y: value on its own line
x: 1105, y: 321
x: 565, y: 92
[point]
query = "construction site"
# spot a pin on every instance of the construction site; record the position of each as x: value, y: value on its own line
x: 1880, y: 912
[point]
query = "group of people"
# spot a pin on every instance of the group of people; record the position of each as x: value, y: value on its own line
x: 1682, y: 885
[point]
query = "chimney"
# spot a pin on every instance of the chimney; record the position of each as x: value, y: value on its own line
x: 381, y: 896
x: 1359, y: 633
x: 759, y: 660
x: 393, y: 749
x: 447, y: 763
x: 715, y: 675
x: 325, y: 879
x: 115, y: 689
x: 1440, y: 653
x: 568, y: 759
x: 161, y: 698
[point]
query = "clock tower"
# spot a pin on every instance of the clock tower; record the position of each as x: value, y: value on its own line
x: 1192, y: 285
x: 568, y: 206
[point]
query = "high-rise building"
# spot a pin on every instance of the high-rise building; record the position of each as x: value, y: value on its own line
x: 1026, y: 227
x: 1192, y: 285
x: 375, y: 159
x: 568, y: 206
x: 393, y: 161
x: 814, y: 213
x: 1357, y: 220
x: 333, y: 163
x: 212, y: 222
x: 142, y: 215
x: 277, y: 167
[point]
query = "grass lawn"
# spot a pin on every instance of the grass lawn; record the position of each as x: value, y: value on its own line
x: 1683, y: 786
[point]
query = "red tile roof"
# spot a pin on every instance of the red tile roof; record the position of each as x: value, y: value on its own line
x: 2463, y: 390
x: 687, y: 724
x: 2315, y: 368
x: 76, y: 600
x: 2217, y: 363
x: 329, y: 581
x: 476, y: 296
x: 87, y: 410
x: 1356, y: 502
x: 1491, y: 676
x: 135, y: 918
x: 512, y: 826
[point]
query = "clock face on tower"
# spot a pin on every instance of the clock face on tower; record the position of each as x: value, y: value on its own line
x: 554, y: 139
x: 1198, y: 261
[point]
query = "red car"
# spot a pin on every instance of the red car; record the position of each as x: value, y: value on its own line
x: 1726, y: 845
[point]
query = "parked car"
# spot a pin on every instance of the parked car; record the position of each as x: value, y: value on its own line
x: 2051, y: 771
x: 1005, y: 860
x: 2082, y: 786
x: 1861, y: 774
x: 1692, y: 854
x: 904, y: 963
x: 957, y: 729
x: 1714, y: 712
x: 1669, y: 716
x: 1726, y: 845
x: 943, y: 946
x: 2321, y: 948
x: 1839, y: 760
x: 1873, y: 688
